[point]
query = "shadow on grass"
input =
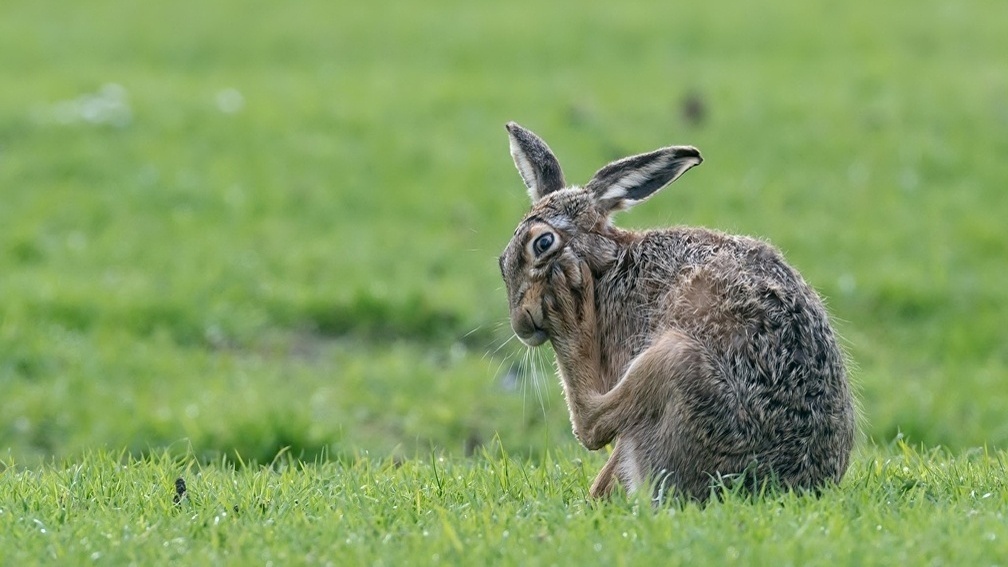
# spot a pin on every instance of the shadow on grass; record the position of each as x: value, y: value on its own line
x: 364, y: 316
x: 259, y: 441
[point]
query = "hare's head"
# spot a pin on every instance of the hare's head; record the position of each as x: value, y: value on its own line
x: 571, y: 224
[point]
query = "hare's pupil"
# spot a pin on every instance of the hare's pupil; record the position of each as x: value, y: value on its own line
x: 542, y: 243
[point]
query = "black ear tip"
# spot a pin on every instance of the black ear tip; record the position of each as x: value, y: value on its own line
x: 690, y: 151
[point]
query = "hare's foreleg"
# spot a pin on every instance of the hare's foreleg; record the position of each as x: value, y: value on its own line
x: 652, y: 389
x: 571, y: 312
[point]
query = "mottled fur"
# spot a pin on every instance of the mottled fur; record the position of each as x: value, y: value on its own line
x: 704, y: 356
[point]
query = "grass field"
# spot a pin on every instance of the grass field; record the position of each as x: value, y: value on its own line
x: 897, y: 508
x: 235, y: 230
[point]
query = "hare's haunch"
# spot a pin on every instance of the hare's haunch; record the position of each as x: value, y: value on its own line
x: 704, y: 356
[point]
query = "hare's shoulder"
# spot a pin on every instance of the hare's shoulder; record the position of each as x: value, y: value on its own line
x: 687, y: 249
x: 720, y: 280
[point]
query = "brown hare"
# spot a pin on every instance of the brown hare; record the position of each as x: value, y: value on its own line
x: 704, y: 356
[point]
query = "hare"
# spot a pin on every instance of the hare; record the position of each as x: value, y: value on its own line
x: 704, y: 356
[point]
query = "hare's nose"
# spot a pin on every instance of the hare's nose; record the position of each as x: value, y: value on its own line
x: 527, y: 329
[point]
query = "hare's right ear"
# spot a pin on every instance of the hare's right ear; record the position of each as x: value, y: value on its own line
x: 626, y: 182
x: 537, y: 165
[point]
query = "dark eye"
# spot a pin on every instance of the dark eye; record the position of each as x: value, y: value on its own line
x: 542, y: 243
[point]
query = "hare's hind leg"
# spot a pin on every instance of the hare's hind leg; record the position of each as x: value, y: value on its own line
x: 672, y: 416
x: 605, y: 482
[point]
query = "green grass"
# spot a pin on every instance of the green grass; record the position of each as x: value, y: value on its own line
x: 231, y: 230
x: 898, y: 506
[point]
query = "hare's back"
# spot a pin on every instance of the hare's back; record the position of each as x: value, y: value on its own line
x: 740, y: 298
x: 776, y: 354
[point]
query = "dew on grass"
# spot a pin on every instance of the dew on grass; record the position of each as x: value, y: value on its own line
x: 230, y: 101
x: 109, y: 105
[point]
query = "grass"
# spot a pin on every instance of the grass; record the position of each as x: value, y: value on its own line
x: 897, y: 506
x: 233, y: 230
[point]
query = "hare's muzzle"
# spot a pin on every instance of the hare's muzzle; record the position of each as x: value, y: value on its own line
x: 524, y: 324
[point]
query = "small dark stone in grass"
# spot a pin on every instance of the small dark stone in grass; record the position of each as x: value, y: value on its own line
x: 180, y: 490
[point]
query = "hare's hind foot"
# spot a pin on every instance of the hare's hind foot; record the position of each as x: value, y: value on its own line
x: 605, y: 482
x: 623, y: 470
x: 620, y: 470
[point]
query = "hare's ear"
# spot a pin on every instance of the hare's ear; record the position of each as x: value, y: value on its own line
x: 626, y: 182
x: 537, y: 165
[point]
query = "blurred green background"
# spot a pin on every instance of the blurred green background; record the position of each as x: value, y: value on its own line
x: 242, y: 226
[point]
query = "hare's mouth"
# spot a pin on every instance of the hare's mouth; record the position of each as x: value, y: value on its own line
x: 534, y: 339
x: 527, y: 329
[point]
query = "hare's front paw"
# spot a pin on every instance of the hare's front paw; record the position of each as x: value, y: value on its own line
x: 569, y: 308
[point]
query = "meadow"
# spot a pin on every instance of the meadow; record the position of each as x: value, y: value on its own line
x: 254, y: 245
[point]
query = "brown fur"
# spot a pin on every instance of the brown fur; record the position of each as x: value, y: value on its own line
x: 702, y: 355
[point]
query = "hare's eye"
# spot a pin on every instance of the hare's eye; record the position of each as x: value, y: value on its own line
x: 542, y: 243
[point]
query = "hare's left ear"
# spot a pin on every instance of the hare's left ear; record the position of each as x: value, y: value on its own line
x: 536, y: 164
x: 624, y: 183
